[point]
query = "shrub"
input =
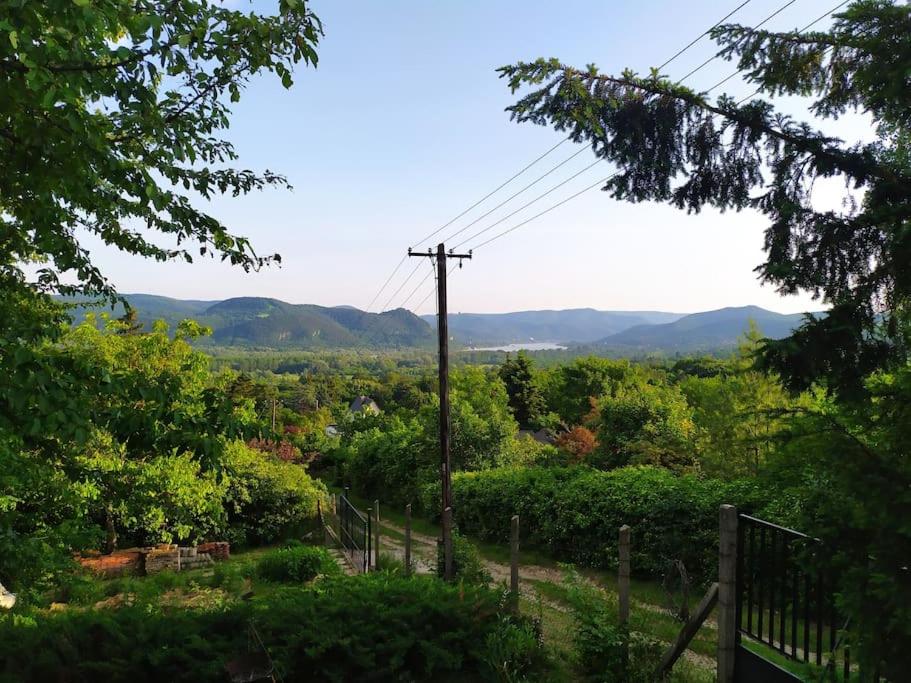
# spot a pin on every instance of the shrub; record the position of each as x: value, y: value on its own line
x: 351, y: 628
x: 574, y: 513
x: 606, y: 651
x: 467, y: 564
x: 512, y: 652
x: 296, y: 563
x: 267, y: 499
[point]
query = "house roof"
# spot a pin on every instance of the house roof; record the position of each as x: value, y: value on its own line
x: 541, y: 436
x: 362, y: 403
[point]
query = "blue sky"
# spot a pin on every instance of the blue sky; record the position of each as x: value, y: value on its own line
x: 402, y: 126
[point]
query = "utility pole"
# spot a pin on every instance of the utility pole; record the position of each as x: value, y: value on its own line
x: 443, y: 338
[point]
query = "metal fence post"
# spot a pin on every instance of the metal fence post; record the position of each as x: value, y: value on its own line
x: 727, y: 608
x: 408, y: 539
x: 514, y: 562
x: 346, y: 514
x: 623, y: 572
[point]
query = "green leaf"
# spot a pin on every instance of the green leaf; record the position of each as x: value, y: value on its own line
x: 14, y: 39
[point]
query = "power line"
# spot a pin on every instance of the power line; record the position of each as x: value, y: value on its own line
x: 415, y: 290
x: 492, y: 192
x: 547, y: 210
x: 480, y: 201
x: 703, y: 35
x: 477, y: 234
x: 424, y: 300
x: 516, y: 194
x: 605, y: 179
x: 527, y: 204
x: 385, y: 284
x: 810, y: 25
x: 535, y: 161
x: 764, y: 21
x: 395, y: 293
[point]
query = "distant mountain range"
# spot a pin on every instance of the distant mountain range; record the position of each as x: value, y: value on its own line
x: 708, y: 331
x: 581, y: 325
x: 270, y: 323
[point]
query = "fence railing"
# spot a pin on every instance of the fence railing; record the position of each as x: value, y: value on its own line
x: 354, y: 533
x: 786, y: 598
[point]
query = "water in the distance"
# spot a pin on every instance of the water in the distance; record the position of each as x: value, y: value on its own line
x: 522, y: 346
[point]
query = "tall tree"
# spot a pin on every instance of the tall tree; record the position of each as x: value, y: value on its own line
x: 675, y: 145
x: 110, y: 122
x: 525, y: 398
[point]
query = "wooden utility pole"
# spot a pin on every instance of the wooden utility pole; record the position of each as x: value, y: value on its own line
x: 443, y: 338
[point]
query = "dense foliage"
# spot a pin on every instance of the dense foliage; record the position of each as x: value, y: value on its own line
x: 574, y: 513
x: 377, y: 626
x: 147, y: 450
x: 266, y: 499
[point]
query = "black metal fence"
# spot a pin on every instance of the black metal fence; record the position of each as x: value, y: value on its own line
x: 354, y: 533
x: 785, y: 599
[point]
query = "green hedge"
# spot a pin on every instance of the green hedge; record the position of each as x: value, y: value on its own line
x: 574, y: 513
x: 374, y: 627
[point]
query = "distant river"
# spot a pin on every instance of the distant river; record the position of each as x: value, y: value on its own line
x: 523, y: 346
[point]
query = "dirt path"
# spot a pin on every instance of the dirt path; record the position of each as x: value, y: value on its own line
x: 423, y: 556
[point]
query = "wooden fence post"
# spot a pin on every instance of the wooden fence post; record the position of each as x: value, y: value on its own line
x: 514, y: 562
x: 623, y: 575
x: 447, y: 544
x: 727, y: 595
x: 368, y: 553
x: 376, y: 543
x: 408, y: 539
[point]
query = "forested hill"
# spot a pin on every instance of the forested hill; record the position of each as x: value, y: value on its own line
x: 707, y: 331
x: 263, y: 322
x: 271, y: 323
x: 581, y: 325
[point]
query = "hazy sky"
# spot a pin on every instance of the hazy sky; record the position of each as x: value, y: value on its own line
x: 402, y: 126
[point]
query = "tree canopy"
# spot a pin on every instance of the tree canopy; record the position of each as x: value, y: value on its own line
x: 673, y: 144
x: 111, y: 119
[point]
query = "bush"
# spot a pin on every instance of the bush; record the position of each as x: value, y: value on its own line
x: 373, y: 627
x: 467, y: 564
x: 513, y: 651
x: 267, y: 499
x: 297, y: 563
x: 574, y: 513
x: 606, y: 651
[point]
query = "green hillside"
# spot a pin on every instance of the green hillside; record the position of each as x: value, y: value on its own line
x: 707, y: 331
x: 270, y: 323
